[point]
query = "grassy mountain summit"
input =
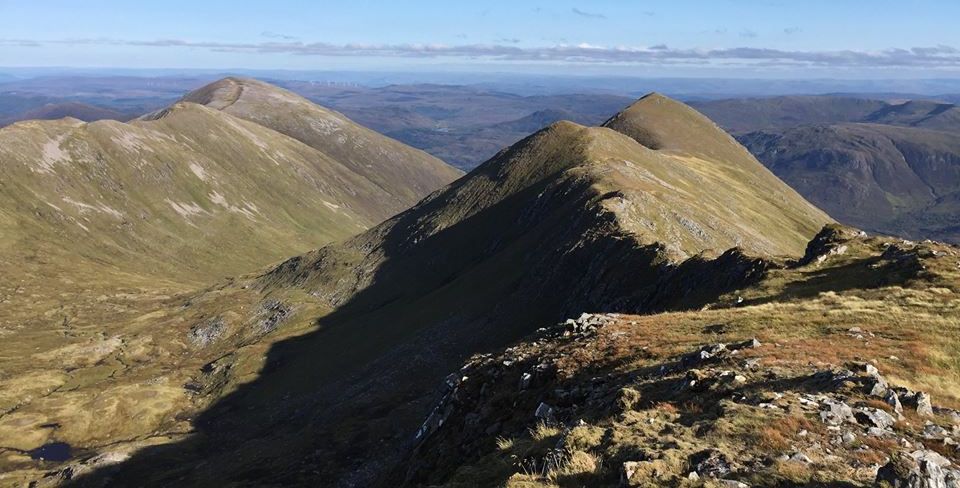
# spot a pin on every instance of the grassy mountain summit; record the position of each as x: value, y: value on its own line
x: 403, y: 173
x: 168, y: 194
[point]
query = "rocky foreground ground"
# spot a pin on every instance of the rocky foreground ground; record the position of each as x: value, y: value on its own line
x: 724, y: 413
x: 834, y: 390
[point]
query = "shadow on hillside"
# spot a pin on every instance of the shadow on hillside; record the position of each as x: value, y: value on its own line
x: 864, y: 273
x: 340, y: 406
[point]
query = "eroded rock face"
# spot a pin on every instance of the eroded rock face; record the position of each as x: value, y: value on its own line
x: 206, y: 333
x: 272, y: 313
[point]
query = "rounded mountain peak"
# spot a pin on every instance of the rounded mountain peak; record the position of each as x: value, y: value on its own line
x: 662, y: 123
x: 224, y: 93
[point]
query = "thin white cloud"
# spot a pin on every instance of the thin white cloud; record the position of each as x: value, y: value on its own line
x: 920, y: 57
x: 275, y: 35
x: 589, y: 15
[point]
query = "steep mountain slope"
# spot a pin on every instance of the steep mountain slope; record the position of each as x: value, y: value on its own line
x: 569, y: 219
x: 896, y: 180
x: 157, y: 197
x: 167, y: 195
x: 653, y: 197
x: 403, y: 173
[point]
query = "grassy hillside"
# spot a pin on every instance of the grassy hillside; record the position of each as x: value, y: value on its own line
x: 349, y: 341
x: 165, y: 198
x: 194, y: 193
x: 405, y: 174
x: 107, y: 230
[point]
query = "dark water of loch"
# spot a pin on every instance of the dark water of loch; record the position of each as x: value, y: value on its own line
x: 55, y: 451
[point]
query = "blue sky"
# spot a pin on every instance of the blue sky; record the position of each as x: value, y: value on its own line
x: 679, y: 37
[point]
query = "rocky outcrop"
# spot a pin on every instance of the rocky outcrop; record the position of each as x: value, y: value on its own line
x: 918, y: 469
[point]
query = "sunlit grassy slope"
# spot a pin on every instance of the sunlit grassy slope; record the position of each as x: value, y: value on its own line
x: 193, y: 193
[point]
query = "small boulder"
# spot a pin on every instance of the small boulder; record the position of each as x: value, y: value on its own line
x: 835, y: 412
x: 934, y: 432
x: 800, y: 457
x: 733, y: 484
x: 893, y: 400
x: 711, y: 463
x: 875, y: 417
x: 924, y: 405
x: 525, y: 379
x: 629, y: 469
x: 544, y: 412
x: 879, y: 387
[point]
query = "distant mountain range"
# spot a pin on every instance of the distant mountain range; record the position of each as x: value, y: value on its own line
x: 750, y: 114
x: 76, y: 110
x: 886, y: 167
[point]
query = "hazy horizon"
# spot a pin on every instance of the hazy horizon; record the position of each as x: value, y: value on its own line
x: 725, y: 39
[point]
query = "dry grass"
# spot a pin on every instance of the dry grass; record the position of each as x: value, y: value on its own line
x: 504, y: 444
x: 542, y: 431
x: 667, y: 408
x: 578, y: 465
x: 779, y: 434
x: 880, y: 450
x: 583, y: 438
x: 793, y: 472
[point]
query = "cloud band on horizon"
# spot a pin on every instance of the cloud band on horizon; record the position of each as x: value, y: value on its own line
x: 928, y: 57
